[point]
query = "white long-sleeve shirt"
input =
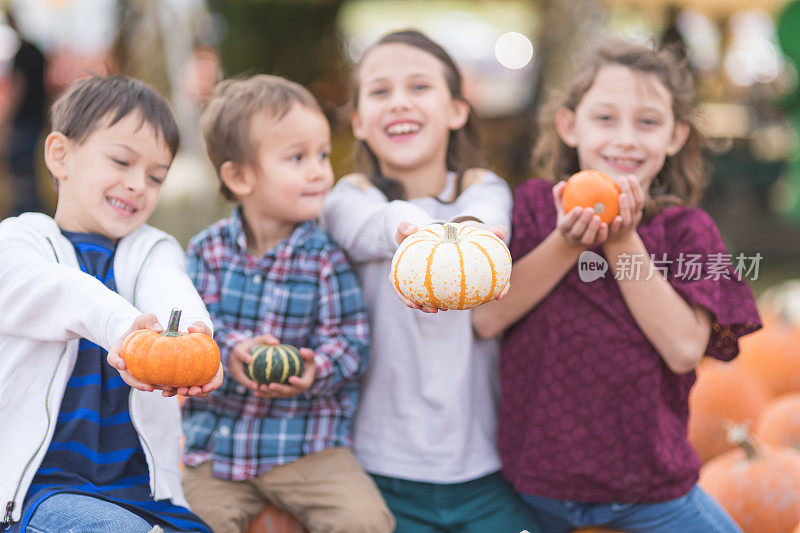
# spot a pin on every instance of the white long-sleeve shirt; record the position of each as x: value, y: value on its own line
x: 428, y: 409
x: 47, y: 305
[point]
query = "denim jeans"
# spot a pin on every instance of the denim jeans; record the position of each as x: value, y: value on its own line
x: 68, y: 513
x: 696, y: 512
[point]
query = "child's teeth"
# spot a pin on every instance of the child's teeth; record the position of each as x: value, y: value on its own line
x: 403, y: 128
x: 120, y: 205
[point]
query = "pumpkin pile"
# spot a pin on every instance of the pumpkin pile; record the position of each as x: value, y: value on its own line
x: 169, y: 357
x: 451, y: 266
x: 745, y: 425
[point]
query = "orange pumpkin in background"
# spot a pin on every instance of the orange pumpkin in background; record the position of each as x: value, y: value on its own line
x: 274, y: 520
x: 169, y: 357
x: 451, y: 266
x: 758, y: 486
x: 772, y: 355
x: 724, y: 393
x: 779, y: 423
x: 592, y: 188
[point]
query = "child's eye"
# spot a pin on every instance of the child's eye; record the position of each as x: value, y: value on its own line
x: 378, y: 92
x: 604, y: 118
x: 296, y: 157
x: 120, y: 162
x: 156, y: 180
x: 324, y: 156
x: 650, y: 122
x: 420, y: 87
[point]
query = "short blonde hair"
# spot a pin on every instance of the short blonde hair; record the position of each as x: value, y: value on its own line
x: 228, y: 114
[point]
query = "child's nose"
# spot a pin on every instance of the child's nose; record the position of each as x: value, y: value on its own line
x: 136, y: 181
x: 626, y: 134
x: 399, y: 100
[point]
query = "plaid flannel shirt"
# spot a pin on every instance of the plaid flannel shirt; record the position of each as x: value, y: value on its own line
x: 304, y: 292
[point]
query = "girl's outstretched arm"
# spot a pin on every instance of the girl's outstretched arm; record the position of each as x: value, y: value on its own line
x: 536, y: 274
x: 678, y: 331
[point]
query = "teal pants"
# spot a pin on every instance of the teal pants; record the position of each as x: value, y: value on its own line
x: 483, y: 505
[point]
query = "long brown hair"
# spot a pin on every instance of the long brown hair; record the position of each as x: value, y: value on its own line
x: 682, y: 179
x: 462, y: 147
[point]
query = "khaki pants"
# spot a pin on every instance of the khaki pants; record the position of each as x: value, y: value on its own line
x: 327, y: 491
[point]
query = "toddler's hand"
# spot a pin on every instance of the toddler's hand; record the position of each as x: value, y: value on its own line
x: 631, y: 205
x: 297, y: 385
x: 240, y: 356
x: 581, y: 226
x: 114, y: 359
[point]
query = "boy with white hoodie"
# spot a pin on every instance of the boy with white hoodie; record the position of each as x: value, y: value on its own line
x: 93, y: 449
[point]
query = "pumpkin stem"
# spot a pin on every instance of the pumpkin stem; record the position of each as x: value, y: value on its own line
x: 174, y: 320
x: 739, y: 434
x: 450, y: 233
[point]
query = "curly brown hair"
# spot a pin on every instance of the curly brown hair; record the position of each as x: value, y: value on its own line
x: 682, y: 179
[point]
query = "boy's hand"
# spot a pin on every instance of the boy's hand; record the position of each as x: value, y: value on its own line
x: 581, y: 226
x: 297, y: 385
x: 197, y: 391
x: 240, y: 357
x: 631, y: 204
x: 142, y: 322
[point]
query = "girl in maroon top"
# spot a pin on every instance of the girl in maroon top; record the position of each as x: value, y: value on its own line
x: 597, y: 365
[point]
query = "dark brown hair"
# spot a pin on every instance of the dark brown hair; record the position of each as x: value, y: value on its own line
x: 229, y: 112
x: 462, y: 147
x: 89, y: 102
x: 682, y: 179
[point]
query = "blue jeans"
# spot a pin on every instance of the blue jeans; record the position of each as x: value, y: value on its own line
x: 696, y: 512
x: 67, y: 513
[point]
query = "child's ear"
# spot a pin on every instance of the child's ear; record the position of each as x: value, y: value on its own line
x: 236, y: 177
x: 459, y: 114
x: 358, y: 127
x: 56, y: 154
x: 565, y: 126
x: 680, y: 134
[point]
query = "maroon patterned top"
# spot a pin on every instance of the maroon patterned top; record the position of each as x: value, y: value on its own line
x: 589, y: 410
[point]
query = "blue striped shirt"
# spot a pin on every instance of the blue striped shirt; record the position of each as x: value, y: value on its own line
x: 95, y: 448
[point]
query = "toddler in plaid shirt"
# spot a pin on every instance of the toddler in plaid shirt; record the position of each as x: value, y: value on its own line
x: 269, y: 274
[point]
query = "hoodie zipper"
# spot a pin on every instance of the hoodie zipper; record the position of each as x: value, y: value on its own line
x: 148, y: 451
x: 12, y: 504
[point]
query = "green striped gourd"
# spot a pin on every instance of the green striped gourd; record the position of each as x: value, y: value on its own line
x: 274, y: 363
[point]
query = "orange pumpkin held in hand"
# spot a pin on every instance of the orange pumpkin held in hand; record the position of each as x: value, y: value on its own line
x: 171, y: 358
x: 591, y: 188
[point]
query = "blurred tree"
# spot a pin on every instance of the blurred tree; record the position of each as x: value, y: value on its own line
x: 294, y: 39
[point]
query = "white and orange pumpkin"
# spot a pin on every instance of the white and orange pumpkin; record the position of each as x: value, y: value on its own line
x: 451, y: 266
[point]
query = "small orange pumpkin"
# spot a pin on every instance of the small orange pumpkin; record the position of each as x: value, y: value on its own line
x: 759, y: 487
x: 724, y: 393
x: 169, y: 357
x: 592, y: 188
x: 451, y: 266
x: 274, y: 520
x: 780, y: 422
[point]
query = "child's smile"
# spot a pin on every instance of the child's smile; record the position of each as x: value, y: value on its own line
x: 402, y: 130
x: 624, y: 124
